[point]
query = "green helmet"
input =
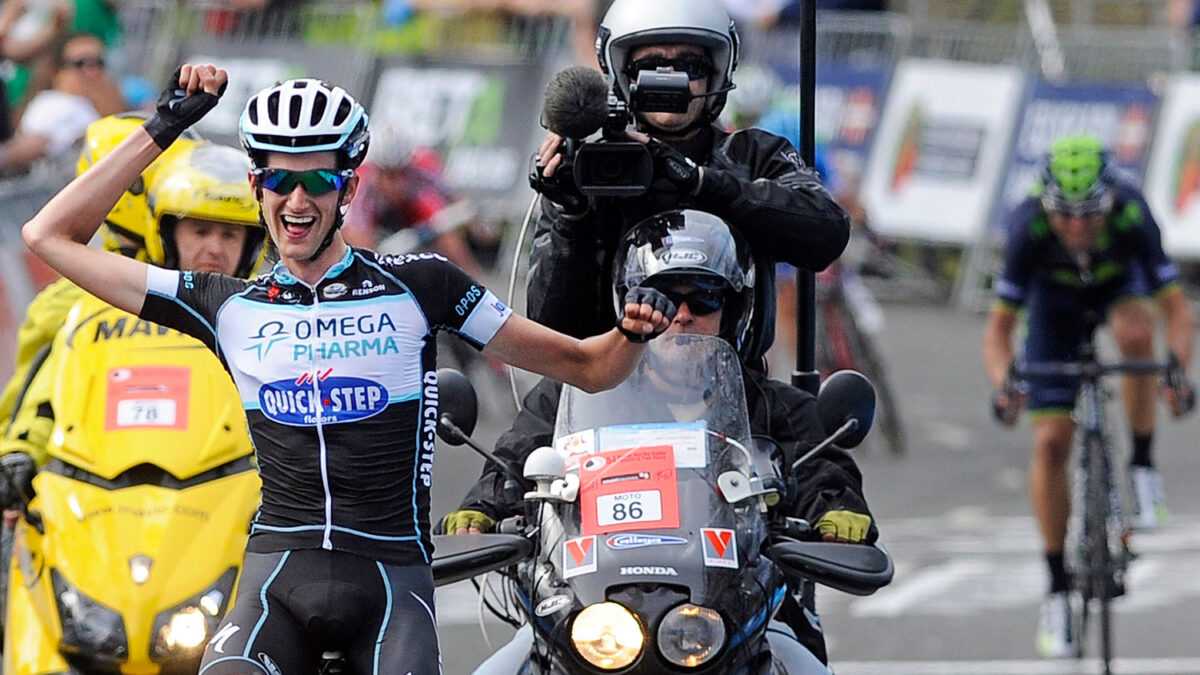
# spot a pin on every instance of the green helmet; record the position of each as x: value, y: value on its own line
x: 1077, y: 180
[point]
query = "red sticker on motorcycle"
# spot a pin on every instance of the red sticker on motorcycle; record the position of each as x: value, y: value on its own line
x: 147, y: 396
x: 631, y: 489
x: 720, y: 547
x: 579, y: 556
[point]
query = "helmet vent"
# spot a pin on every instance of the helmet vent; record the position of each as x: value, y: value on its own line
x: 294, y: 107
x: 343, y: 112
x: 273, y: 108
x: 318, y: 110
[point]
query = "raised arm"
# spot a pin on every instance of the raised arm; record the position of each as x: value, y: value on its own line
x: 593, y: 364
x: 60, y: 231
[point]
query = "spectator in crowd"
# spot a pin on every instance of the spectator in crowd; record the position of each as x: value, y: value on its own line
x: 27, y: 36
x: 35, y: 35
x: 404, y: 204
x: 1183, y: 15
x: 56, y: 118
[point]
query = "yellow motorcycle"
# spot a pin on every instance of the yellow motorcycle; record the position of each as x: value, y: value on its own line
x: 127, y: 556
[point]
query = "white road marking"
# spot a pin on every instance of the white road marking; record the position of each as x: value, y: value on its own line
x: 1019, y: 667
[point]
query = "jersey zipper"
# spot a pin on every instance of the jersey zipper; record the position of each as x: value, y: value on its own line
x: 315, y: 365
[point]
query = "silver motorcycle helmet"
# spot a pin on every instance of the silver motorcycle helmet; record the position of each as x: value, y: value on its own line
x: 695, y: 247
x: 706, y: 23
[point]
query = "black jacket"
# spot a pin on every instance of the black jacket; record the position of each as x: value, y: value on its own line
x: 753, y: 179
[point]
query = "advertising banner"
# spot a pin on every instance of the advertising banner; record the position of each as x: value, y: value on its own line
x: 1120, y: 115
x: 1173, y: 176
x: 483, y: 118
x: 255, y: 66
x: 942, y: 141
x: 848, y: 104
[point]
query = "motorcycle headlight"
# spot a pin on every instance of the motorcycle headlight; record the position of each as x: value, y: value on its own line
x: 690, y: 635
x: 88, y: 626
x: 607, y: 635
x: 182, y: 631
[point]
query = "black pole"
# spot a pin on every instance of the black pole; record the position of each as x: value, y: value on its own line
x: 805, y: 376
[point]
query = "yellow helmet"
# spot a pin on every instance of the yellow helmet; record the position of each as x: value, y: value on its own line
x: 130, y: 216
x: 207, y: 182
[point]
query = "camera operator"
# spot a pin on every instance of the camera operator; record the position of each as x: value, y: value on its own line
x: 752, y: 179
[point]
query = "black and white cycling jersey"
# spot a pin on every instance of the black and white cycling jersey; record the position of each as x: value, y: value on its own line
x: 339, y: 386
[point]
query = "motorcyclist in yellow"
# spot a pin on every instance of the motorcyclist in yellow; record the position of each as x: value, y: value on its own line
x: 124, y: 232
x: 121, y: 406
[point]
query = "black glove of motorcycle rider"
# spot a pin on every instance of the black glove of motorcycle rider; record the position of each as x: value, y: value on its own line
x: 177, y: 110
x: 673, y: 167
x: 639, y: 295
x: 559, y: 188
x: 16, y: 479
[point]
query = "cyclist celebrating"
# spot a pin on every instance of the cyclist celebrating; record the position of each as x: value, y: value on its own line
x: 1085, y: 243
x: 332, y: 353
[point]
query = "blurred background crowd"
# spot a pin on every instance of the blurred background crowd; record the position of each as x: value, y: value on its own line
x: 454, y: 88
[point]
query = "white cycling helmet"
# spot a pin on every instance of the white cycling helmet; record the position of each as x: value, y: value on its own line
x: 706, y: 23
x: 305, y: 115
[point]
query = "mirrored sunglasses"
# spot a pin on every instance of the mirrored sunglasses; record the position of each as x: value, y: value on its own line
x: 700, y: 302
x: 316, y: 182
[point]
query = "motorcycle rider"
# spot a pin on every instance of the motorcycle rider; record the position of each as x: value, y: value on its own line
x: 752, y: 179
x: 714, y: 294
x: 221, y: 234
x: 331, y: 353
x: 123, y: 231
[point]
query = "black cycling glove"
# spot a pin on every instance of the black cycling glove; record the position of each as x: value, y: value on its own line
x: 177, y: 110
x: 673, y: 167
x: 559, y: 188
x: 16, y: 479
x: 639, y: 295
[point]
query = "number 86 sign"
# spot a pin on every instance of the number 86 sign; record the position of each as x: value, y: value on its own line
x: 632, y: 489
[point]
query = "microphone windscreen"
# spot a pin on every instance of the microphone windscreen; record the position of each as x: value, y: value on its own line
x: 576, y: 102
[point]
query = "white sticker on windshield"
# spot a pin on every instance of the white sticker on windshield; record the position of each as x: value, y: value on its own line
x: 687, y: 440
x: 576, y: 445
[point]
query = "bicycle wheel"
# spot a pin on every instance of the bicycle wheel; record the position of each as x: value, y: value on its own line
x: 1098, y: 556
x: 868, y: 362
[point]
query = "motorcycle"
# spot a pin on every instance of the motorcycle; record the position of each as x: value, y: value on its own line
x: 646, y: 546
x: 127, y: 556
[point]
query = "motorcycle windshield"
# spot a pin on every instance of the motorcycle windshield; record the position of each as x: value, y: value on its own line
x: 648, y: 455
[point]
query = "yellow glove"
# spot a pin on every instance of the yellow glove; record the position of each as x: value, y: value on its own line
x: 846, y: 526
x: 465, y: 520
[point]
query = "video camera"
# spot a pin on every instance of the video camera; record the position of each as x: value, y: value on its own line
x: 579, y: 102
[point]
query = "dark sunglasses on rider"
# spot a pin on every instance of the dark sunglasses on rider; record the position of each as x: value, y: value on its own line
x: 80, y: 64
x: 697, y: 66
x: 316, y: 182
x: 700, y: 302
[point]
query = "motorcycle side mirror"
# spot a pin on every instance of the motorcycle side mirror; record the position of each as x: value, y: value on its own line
x: 846, y: 396
x: 458, y: 407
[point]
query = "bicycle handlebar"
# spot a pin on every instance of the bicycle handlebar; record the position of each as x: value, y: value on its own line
x: 1088, y: 370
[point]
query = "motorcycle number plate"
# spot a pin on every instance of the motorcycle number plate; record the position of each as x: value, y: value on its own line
x: 147, y: 396
x: 630, y: 489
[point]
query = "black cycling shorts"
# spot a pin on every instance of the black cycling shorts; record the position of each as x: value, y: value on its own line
x: 293, y: 606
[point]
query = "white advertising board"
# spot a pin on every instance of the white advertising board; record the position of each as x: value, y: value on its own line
x: 1173, y: 176
x: 940, y: 149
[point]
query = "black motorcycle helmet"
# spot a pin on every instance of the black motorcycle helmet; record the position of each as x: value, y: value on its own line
x: 693, y: 247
